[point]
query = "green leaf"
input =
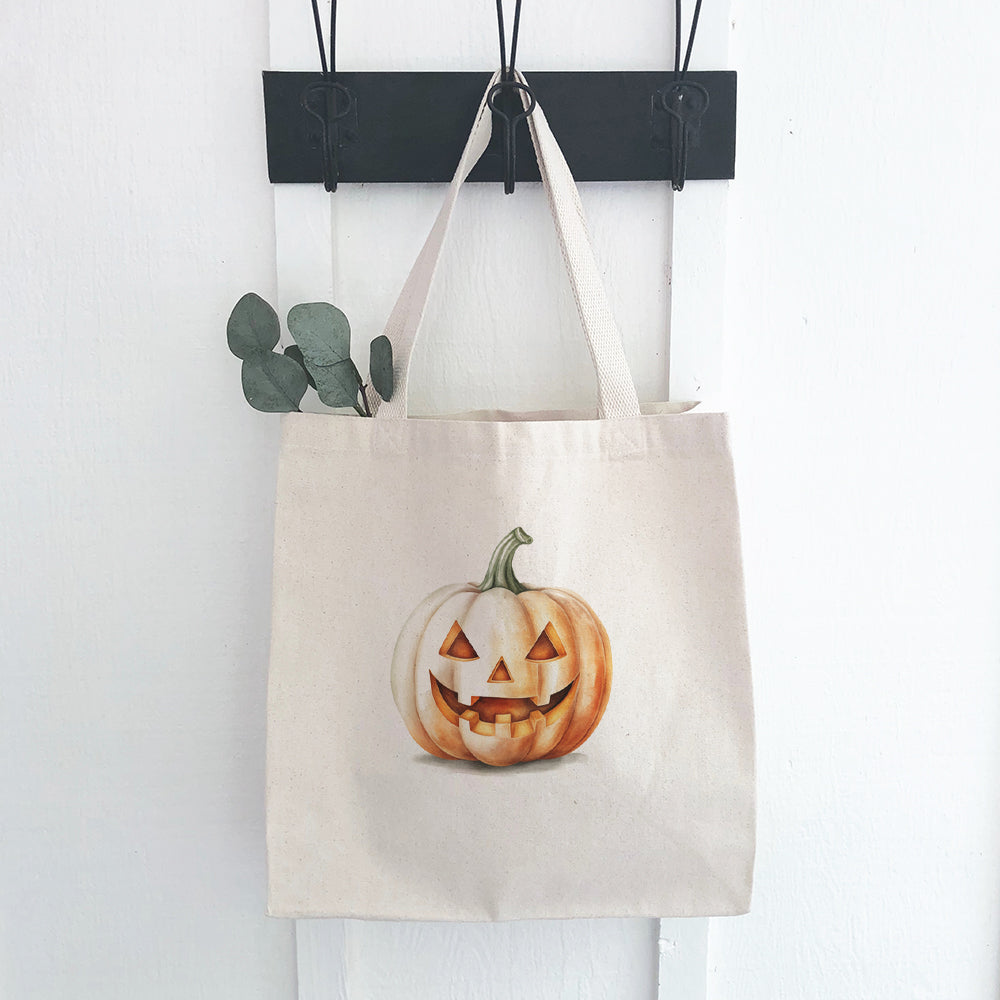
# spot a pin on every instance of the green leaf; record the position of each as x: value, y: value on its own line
x: 273, y: 383
x: 336, y: 385
x: 253, y: 327
x: 294, y: 352
x: 339, y: 384
x: 380, y: 367
x: 322, y: 331
x: 324, y: 334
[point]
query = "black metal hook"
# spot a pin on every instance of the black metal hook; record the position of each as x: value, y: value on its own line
x: 685, y: 102
x: 511, y: 115
x: 321, y: 99
x: 505, y: 99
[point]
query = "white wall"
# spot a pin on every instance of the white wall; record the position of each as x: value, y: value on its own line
x: 135, y: 505
x: 135, y: 492
x: 863, y: 363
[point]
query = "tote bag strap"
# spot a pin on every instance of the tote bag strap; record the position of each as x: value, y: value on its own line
x: 616, y: 395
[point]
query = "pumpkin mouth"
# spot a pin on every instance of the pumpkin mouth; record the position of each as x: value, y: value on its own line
x: 501, y: 716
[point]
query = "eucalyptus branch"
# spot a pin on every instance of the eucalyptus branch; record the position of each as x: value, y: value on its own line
x: 320, y: 357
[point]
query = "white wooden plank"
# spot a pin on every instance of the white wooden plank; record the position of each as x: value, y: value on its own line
x: 302, y: 237
x: 488, y: 346
x: 411, y: 960
x: 683, y: 960
x: 697, y: 291
x: 697, y: 280
x: 321, y: 947
x: 697, y: 255
x: 501, y: 328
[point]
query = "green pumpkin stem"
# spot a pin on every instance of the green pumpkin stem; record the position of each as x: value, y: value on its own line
x: 501, y: 569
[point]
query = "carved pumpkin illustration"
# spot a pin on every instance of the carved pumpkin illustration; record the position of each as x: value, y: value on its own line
x: 501, y: 672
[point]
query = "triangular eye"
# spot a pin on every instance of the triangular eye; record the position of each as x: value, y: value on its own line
x: 547, y: 646
x: 457, y: 646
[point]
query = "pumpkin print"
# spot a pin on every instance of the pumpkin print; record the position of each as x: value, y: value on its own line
x: 501, y: 672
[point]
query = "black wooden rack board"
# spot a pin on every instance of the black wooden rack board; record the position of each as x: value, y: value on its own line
x: 411, y: 127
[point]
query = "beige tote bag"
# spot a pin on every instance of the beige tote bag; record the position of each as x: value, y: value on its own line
x: 447, y: 742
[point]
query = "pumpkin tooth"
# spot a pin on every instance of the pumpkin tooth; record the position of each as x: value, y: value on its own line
x: 537, y: 720
x: 501, y: 726
x: 468, y: 721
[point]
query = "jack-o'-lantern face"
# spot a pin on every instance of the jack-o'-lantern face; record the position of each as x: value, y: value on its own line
x: 499, y: 672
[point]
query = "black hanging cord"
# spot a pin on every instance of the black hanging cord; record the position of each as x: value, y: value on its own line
x: 503, y: 40
x: 507, y: 72
x: 679, y: 71
x: 514, y: 34
x: 319, y: 39
x: 333, y: 35
x: 330, y: 67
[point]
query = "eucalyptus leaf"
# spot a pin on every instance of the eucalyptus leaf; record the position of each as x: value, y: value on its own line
x: 380, y: 367
x: 324, y: 335
x: 322, y: 331
x: 294, y: 352
x: 253, y: 327
x: 337, y: 385
x: 273, y: 383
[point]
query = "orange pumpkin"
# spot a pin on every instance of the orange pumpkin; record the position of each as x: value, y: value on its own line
x: 501, y: 672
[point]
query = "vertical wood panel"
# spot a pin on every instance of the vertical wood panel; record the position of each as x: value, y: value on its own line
x: 697, y: 292
x: 501, y: 330
x: 412, y: 960
x: 682, y: 950
x: 323, y: 959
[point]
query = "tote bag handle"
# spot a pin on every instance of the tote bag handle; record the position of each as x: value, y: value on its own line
x: 616, y: 395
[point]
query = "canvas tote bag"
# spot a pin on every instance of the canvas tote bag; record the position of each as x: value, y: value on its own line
x: 447, y: 742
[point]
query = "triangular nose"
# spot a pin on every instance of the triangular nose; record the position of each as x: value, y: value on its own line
x: 500, y: 673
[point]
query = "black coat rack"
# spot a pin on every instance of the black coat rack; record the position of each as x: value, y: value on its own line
x: 411, y: 127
